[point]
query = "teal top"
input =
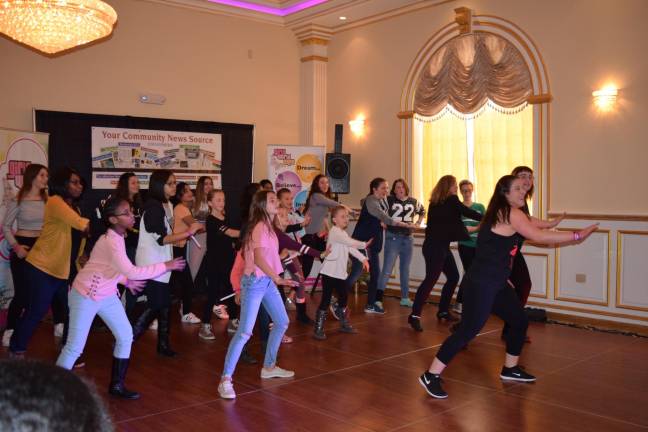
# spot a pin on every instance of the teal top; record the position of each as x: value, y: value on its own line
x: 469, y: 223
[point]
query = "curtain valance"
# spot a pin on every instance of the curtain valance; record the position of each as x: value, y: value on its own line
x: 468, y: 71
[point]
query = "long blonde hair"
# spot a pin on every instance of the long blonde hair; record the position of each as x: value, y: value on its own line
x: 200, y: 197
x: 442, y: 189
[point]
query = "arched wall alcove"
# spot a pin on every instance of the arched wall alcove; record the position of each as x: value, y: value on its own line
x: 465, y: 22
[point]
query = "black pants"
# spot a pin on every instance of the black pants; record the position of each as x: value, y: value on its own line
x: 329, y: 284
x: 438, y: 258
x: 218, y: 286
x: 479, y: 302
x: 21, y: 289
x: 181, y: 281
x: 158, y: 295
x: 466, y: 254
x: 316, y: 243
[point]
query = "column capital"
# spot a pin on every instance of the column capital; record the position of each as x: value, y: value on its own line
x: 313, y: 34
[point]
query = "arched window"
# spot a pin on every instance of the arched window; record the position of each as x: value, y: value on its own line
x: 475, y: 105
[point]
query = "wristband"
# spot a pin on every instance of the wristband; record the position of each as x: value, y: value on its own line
x: 576, y: 236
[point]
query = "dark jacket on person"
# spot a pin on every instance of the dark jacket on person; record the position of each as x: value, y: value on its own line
x: 444, y: 220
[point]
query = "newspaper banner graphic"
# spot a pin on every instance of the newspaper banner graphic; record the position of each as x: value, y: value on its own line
x: 189, y: 155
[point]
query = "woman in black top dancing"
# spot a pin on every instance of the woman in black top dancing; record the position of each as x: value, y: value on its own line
x: 444, y: 226
x: 485, y: 288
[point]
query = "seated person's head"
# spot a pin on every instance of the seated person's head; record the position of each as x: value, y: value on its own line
x: 39, y: 397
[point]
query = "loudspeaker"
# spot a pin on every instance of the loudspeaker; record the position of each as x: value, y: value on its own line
x: 338, y: 170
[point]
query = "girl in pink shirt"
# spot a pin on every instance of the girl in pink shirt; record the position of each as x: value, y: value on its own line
x: 94, y: 292
x: 260, y: 251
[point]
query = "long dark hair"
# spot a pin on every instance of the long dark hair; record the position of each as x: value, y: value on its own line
x: 122, y: 191
x: 499, y: 209
x: 258, y: 214
x: 58, y: 182
x: 315, y: 189
x: 180, y: 190
x: 156, y: 184
x: 30, y: 173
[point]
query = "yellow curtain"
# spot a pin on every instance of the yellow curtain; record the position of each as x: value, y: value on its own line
x: 444, y: 151
x: 501, y: 142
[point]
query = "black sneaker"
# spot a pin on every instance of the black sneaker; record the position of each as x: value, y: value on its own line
x: 432, y: 385
x: 516, y: 373
x: 415, y: 323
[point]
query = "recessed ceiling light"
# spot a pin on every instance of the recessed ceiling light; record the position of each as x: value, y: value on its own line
x: 343, y: 18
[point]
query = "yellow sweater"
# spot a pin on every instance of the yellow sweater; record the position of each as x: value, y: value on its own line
x: 51, y: 252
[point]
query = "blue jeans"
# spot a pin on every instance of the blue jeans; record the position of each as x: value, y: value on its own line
x: 42, y: 289
x: 397, y: 246
x: 374, y: 275
x: 255, y: 291
x: 82, y: 313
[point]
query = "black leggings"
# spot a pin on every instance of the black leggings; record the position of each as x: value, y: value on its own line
x: 520, y: 278
x: 316, y: 243
x: 328, y: 285
x: 21, y: 289
x: 467, y: 254
x: 182, y: 281
x: 479, y: 302
x: 438, y: 258
x: 218, y: 286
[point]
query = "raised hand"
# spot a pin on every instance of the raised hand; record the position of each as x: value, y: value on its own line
x: 586, y: 232
x: 176, y: 264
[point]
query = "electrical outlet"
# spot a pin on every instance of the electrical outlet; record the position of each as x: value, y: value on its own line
x: 581, y: 277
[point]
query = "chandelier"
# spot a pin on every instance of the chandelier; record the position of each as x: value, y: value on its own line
x: 52, y: 26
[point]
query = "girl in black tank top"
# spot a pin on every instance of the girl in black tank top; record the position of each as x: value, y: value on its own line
x: 485, y: 285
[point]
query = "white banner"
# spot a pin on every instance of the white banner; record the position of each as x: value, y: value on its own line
x: 189, y: 155
x: 17, y: 150
x: 294, y: 168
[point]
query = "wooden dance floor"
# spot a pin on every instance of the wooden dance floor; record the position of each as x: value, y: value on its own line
x: 587, y: 381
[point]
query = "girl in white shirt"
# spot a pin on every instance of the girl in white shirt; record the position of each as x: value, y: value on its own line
x: 334, y: 270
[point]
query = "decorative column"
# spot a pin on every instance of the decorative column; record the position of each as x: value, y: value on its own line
x: 312, y: 104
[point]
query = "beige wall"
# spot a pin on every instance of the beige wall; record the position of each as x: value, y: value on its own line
x: 597, y: 162
x: 199, y: 61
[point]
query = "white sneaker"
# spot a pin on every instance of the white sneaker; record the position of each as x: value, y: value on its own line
x: 58, y: 330
x: 6, y: 337
x: 153, y: 325
x: 190, y: 318
x: 233, y: 325
x: 221, y: 312
x: 226, y: 390
x: 206, y: 332
x: 276, y: 372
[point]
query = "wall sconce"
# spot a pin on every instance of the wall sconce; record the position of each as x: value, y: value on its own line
x: 357, y: 126
x: 605, y: 98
